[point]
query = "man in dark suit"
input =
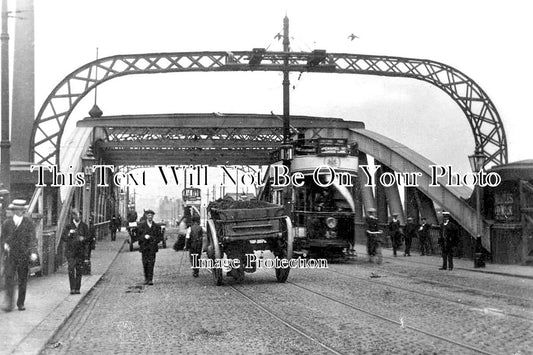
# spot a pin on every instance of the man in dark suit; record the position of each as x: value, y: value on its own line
x: 448, y: 241
x: 90, y: 245
x: 149, y: 234
x: 410, y: 233
x: 196, y: 236
x: 19, y: 247
x: 74, y: 237
x: 396, y: 233
x: 113, y: 226
x: 423, y: 237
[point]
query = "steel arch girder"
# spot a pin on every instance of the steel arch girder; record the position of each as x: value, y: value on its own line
x: 482, y: 116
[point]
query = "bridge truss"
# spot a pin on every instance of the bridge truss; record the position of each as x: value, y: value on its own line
x: 482, y: 116
x: 196, y: 138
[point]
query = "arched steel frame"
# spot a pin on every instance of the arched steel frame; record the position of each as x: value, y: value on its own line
x: 484, y: 120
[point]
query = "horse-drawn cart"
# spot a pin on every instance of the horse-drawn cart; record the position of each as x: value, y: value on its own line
x: 239, y: 228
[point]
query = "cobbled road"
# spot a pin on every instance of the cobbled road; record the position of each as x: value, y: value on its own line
x: 349, y: 308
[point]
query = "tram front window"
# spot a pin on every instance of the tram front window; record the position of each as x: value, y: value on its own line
x: 313, y: 198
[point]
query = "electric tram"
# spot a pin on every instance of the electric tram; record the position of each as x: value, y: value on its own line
x: 191, y: 198
x: 321, y: 203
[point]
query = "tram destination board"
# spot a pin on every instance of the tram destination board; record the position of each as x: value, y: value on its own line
x: 332, y: 146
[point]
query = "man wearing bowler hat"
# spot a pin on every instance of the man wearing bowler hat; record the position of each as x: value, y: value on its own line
x: 149, y: 234
x: 19, y: 246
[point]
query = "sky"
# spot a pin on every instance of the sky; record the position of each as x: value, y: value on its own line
x: 490, y: 41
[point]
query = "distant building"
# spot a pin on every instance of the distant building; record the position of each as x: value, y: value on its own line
x: 169, y: 209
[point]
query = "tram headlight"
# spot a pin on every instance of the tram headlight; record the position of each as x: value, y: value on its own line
x: 331, y: 222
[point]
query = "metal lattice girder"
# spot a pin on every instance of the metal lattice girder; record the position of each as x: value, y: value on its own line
x: 120, y: 134
x: 484, y: 120
x: 199, y: 138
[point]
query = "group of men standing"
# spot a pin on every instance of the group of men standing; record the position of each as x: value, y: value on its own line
x: 406, y: 235
x: 19, y: 249
x: 448, y: 237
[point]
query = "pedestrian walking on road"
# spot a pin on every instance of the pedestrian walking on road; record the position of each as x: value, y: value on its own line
x: 90, y: 245
x: 448, y: 241
x: 196, y: 237
x: 373, y: 236
x: 19, y: 247
x: 423, y: 237
x: 113, y: 225
x: 410, y: 233
x: 149, y: 234
x: 75, y: 237
x: 396, y: 233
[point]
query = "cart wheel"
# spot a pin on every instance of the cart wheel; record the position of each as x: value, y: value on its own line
x: 213, y: 250
x: 283, y: 273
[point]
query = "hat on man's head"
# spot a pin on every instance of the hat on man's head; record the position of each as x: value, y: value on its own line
x: 395, y: 214
x: 445, y: 214
x: 149, y: 212
x: 17, y: 204
x: 409, y: 218
x: 371, y: 210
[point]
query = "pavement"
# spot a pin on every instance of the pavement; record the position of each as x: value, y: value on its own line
x: 49, y: 303
x: 435, y: 261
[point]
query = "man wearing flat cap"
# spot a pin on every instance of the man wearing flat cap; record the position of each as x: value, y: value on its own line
x: 19, y: 247
x: 149, y: 234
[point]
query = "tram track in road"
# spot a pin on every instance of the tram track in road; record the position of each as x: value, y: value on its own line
x: 287, y: 323
x: 390, y: 320
x: 489, y: 293
x: 530, y: 319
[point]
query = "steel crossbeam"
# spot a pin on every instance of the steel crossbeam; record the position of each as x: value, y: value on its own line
x: 484, y: 120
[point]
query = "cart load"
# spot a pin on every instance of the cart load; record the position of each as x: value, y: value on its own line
x: 238, y: 228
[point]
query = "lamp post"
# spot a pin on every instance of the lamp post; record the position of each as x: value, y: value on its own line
x: 87, y: 163
x: 5, y: 143
x: 476, y: 163
x: 4, y: 193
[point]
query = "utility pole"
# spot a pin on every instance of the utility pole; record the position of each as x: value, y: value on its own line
x: 5, y: 144
x: 286, y: 83
x: 286, y: 148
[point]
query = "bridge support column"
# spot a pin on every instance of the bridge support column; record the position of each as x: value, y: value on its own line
x: 381, y: 198
x: 393, y: 198
x: 359, y: 222
x: 367, y: 194
x: 426, y: 207
x: 411, y: 204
